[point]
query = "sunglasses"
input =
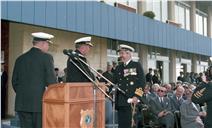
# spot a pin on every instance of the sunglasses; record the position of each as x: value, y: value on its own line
x: 161, y: 90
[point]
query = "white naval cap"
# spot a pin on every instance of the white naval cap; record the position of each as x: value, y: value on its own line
x: 84, y: 40
x: 126, y: 48
x: 41, y: 36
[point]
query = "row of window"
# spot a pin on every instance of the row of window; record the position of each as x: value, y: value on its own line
x: 182, y: 13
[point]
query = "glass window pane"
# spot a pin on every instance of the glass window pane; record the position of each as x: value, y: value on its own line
x: 197, y: 23
x: 182, y: 17
x: 187, y: 19
x: 156, y: 10
x: 133, y: 4
x: 200, y: 24
x: 149, y: 5
x: 176, y: 13
x: 164, y: 11
x: 205, y: 26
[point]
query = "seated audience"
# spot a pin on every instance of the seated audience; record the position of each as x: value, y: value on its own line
x: 161, y: 108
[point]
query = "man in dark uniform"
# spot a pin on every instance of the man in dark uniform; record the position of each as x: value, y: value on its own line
x: 129, y: 77
x: 149, y: 76
x: 83, y: 46
x: 202, y: 94
x: 33, y: 72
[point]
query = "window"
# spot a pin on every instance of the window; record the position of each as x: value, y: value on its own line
x: 130, y: 3
x: 182, y: 14
x: 201, y: 23
x: 159, y: 8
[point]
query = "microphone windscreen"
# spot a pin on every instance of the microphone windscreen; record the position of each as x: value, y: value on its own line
x: 65, y: 51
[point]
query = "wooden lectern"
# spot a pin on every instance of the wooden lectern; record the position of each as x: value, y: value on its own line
x: 64, y: 106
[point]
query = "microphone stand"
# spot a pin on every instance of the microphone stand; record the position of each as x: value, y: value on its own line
x: 115, y: 87
x: 94, y: 91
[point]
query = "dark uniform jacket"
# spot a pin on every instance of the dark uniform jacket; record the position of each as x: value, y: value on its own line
x: 149, y: 78
x: 33, y: 71
x: 128, y: 78
x: 202, y: 94
x: 74, y: 74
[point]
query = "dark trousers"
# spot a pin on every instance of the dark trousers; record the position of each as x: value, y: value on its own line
x: 124, y: 117
x: 30, y: 119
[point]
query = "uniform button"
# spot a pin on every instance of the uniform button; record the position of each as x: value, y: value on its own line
x: 131, y: 83
x: 119, y: 79
x: 127, y: 79
x: 126, y: 90
x: 126, y: 84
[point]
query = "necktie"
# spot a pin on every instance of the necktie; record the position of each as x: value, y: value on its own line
x: 161, y: 101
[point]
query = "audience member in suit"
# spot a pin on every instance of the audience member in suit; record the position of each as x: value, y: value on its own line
x: 154, y: 90
x: 177, y: 98
x: 4, y: 78
x: 144, y: 108
x: 190, y: 113
x: 33, y: 72
x: 169, y: 89
x: 176, y: 101
x: 149, y: 76
x: 161, y: 108
x: 147, y: 94
x: 186, y: 92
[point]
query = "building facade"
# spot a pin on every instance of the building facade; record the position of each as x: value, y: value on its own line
x: 178, y: 39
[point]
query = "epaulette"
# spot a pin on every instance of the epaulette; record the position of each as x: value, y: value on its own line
x: 139, y: 92
x: 199, y: 93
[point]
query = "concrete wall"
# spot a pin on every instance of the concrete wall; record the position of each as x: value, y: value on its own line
x: 20, y: 41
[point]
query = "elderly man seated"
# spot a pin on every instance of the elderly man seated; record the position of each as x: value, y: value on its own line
x: 161, y: 108
x: 190, y: 112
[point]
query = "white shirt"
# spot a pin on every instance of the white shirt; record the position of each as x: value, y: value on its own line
x: 126, y: 63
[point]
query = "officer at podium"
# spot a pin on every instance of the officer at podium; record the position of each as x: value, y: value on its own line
x: 129, y: 76
x: 33, y: 72
x: 83, y: 46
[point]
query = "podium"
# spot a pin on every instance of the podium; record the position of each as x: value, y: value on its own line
x: 71, y: 105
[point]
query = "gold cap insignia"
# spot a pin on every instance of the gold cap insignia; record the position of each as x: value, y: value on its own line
x: 86, y: 120
x: 139, y: 92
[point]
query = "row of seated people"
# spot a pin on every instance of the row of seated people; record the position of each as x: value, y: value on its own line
x: 172, y: 109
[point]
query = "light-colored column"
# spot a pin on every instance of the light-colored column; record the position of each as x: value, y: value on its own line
x: 16, y: 34
x: 143, y: 53
x: 141, y: 7
x: 194, y: 64
x: 209, y: 24
x: 171, y: 11
x: 193, y: 16
x: 172, y: 66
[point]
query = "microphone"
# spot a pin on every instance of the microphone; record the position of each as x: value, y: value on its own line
x: 72, y: 53
x: 66, y: 52
x: 75, y: 53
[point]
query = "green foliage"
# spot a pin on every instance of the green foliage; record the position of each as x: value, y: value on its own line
x: 149, y: 14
